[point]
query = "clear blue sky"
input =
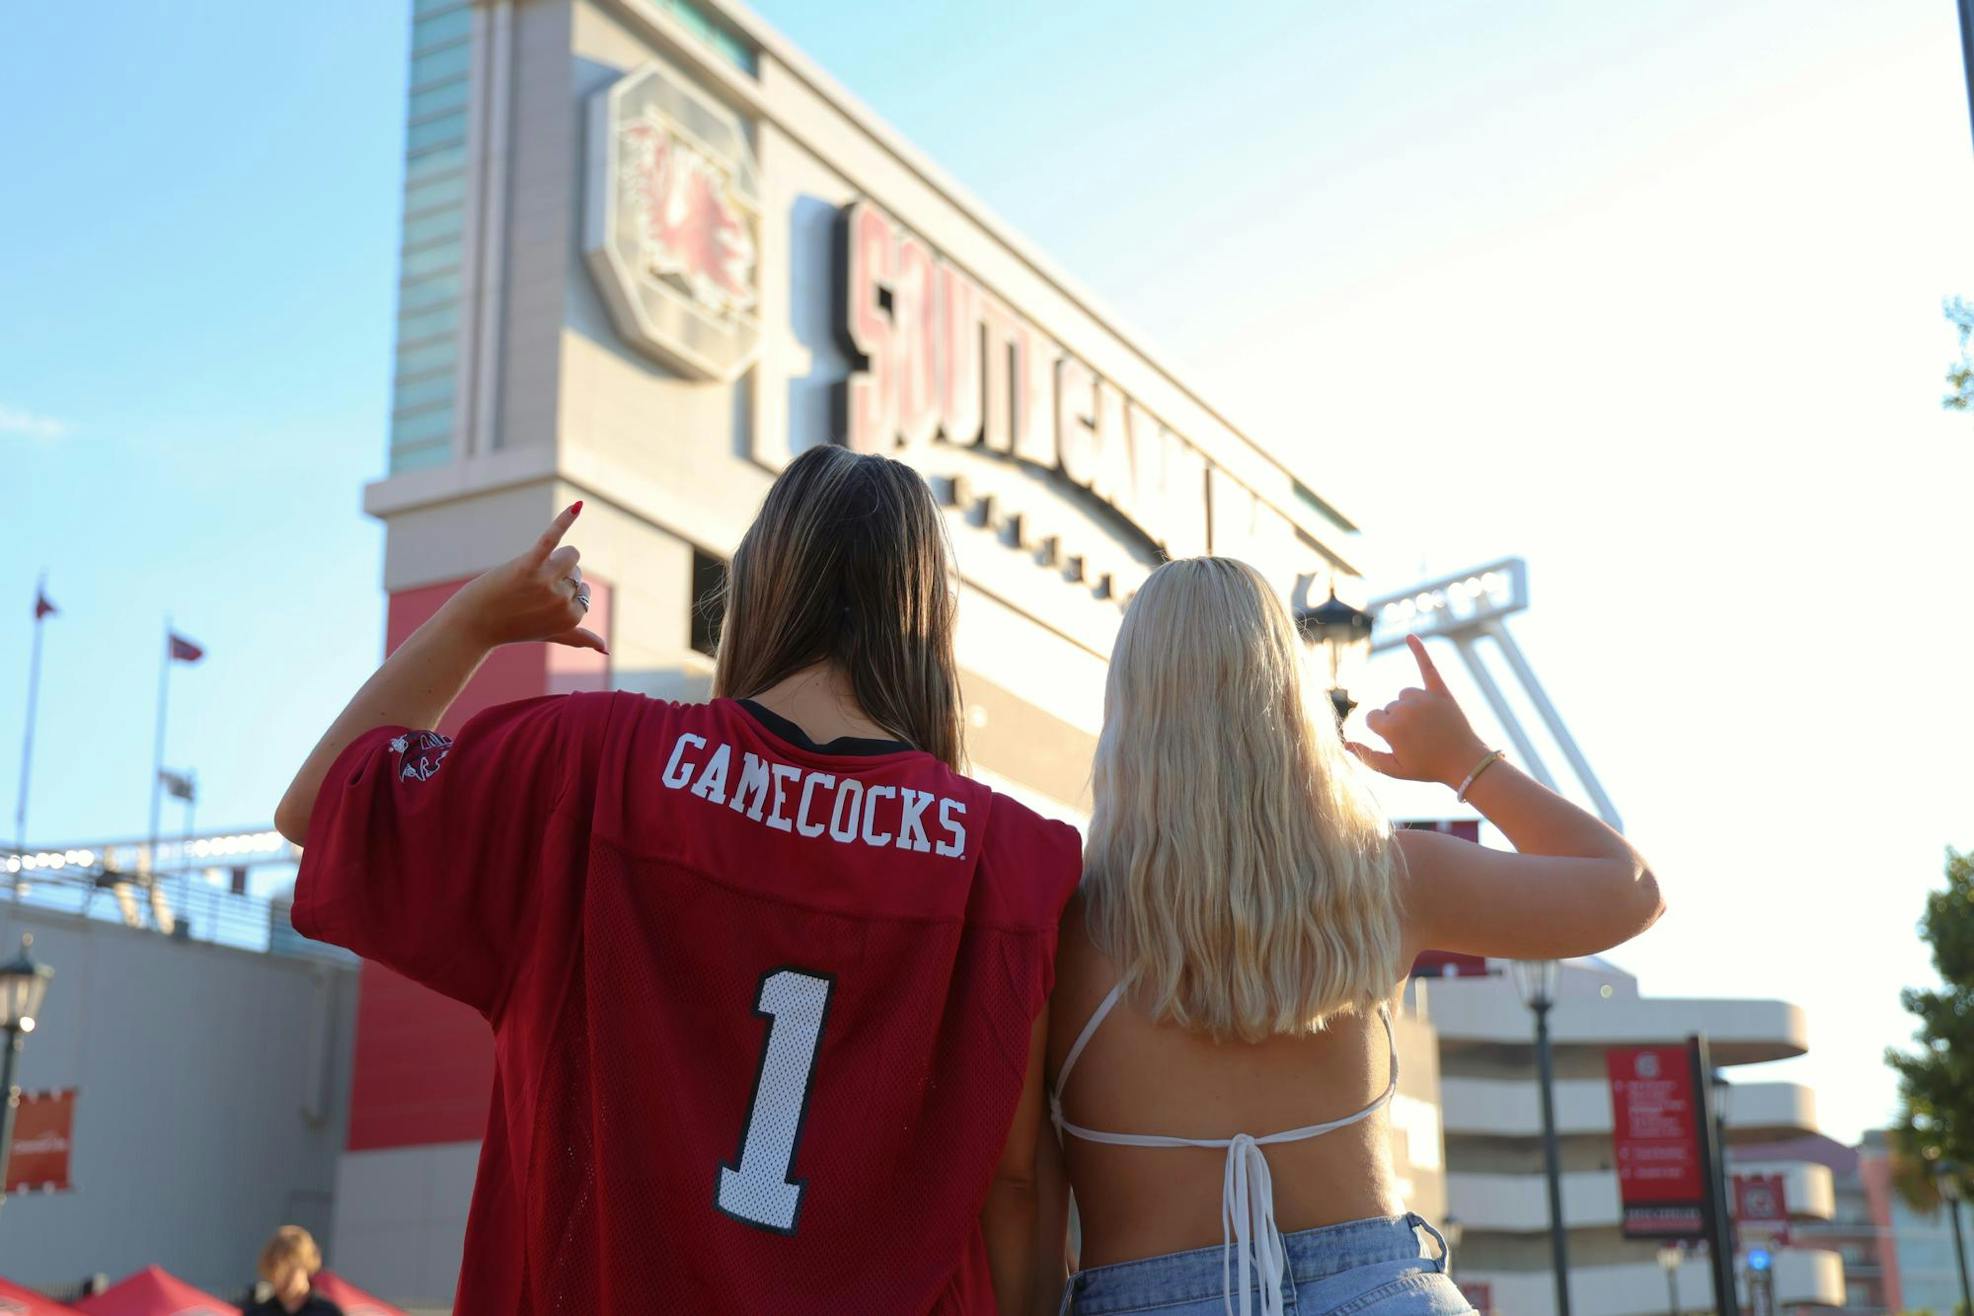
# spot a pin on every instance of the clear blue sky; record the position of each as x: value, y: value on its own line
x: 1646, y: 294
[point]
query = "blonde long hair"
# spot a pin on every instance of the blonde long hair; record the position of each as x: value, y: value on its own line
x: 1237, y: 872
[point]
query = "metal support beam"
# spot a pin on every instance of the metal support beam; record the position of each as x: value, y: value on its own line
x: 1578, y: 764
x: 1476, y: 604
x: 1524, y: 747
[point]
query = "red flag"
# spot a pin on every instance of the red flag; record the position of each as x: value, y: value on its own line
x: 183, y: 650
x: 42, y: 607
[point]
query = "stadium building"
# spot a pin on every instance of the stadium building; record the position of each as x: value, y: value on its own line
x: 1496, y: 1189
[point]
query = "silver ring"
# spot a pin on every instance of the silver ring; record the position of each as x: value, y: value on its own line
x: 582, y: 597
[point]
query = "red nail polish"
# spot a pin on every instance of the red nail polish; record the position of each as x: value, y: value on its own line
x: 576, y: 508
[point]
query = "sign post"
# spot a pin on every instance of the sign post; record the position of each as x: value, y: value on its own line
x: 1662, y: 1134
x: 1720, y: 1216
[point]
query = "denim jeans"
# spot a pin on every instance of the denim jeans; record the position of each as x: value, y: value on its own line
x: 1359, y: 1268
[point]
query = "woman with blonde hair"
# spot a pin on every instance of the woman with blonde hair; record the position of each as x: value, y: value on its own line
x: 288, y: 1265
x: 1221, y: 1038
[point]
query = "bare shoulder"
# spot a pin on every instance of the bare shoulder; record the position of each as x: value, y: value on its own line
x: 1420, y: 853
x: 1422, y: 861
x: 1416, y: 856
x: 1083, y: 974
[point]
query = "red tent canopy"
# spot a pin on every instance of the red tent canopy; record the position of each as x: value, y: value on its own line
x: 153, y: 1291
x: 353, y: 1300
x: 17, y: 1301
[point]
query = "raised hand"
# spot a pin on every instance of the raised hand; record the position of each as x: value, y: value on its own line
x: 538, y: 596
x: 1428, y: 734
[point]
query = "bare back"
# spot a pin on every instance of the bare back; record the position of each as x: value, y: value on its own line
x: 1138, y: 1077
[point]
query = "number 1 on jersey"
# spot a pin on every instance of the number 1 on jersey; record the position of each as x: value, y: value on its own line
x: 758, y: 1189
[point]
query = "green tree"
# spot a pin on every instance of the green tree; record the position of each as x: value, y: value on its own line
x: 1960, y: 375
x: 1936, y: 1080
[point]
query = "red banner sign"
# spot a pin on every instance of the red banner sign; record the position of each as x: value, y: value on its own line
x: 1660, y: 1179
x: 43, y: 1125
x: 1761, y: 1207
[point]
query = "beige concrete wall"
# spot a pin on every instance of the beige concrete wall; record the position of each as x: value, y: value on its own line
x: 544, y: 161
x: 212, y: 1090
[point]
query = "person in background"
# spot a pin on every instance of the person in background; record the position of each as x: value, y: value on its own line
x: 1222, y: 1039
x: 287, y: 1270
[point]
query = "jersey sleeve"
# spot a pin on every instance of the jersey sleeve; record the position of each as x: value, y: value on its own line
x: 427, y: 854
x: 1034, y: 864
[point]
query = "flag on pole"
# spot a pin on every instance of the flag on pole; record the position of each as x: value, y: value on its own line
x: 42, y: 606
x: 183, y: 650
x: 178, y: 785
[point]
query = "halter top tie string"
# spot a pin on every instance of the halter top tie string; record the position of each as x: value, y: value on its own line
x: 1249, y: 1236
x: 1248, y: 1229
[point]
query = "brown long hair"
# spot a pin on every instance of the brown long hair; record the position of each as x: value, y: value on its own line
x: 848, y: 563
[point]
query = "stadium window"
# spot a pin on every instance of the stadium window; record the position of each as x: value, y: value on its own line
x: 709, y: 575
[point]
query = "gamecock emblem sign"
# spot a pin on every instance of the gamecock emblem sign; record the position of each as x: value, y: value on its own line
x: 672, y: 222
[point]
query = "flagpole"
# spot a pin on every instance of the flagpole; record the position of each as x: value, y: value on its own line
x: 185, y: 842
x: 27, y: 733
x: 157, y: 759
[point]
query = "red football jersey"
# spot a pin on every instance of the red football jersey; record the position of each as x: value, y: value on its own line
x: 761, y: 1008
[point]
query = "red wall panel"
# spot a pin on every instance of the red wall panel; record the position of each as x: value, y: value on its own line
x: 423, y: 1067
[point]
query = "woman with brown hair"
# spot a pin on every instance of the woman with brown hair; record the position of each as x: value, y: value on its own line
x: 287, y: 1268
x: 766, y: 975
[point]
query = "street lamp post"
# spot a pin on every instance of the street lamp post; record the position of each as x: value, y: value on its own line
x: 1946, y: 1177
x: 1723, y: 1098
x: 1536, y: 981
x: 1670, y: 1257
x: 1967, y: 61
x: 23, y: 984
x: 1344, y: 632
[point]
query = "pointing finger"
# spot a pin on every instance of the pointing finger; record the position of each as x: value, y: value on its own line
x: 556, y: 529
x: 581, y: 637
x: 1427, y: 672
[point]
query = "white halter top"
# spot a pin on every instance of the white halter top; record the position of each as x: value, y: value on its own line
x: 1247, y: 1194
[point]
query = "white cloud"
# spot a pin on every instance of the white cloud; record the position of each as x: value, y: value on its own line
x: 16, y: 421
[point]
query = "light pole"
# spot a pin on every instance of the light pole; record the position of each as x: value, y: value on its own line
x: 1345, y: 632
x: 1946, y: 1177
x: 1536, y: 981
x: 23, y: 984
x: 1967, y: 59
x: 1724, y: 1185
x: 1670, y: 1257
